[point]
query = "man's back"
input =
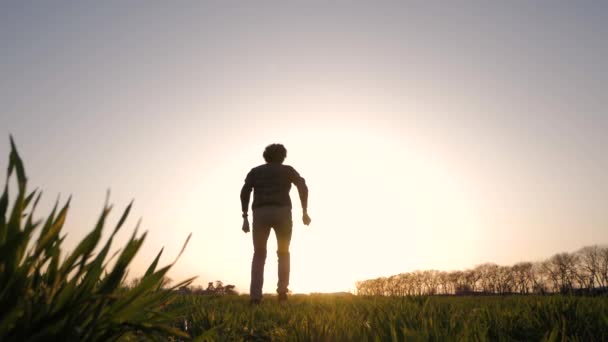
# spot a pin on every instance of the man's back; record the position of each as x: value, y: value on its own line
x: 271, y: 183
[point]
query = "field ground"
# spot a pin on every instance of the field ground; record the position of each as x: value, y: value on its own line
x: 352, y: 318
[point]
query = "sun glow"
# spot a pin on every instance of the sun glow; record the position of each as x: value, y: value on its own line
x: 377, y: 210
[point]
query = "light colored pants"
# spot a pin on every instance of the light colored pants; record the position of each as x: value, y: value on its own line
x: 264, y: 219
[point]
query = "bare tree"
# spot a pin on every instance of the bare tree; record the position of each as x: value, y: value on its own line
x: 487, y: 275
x: 523, y: 277
x: 504, y: 279
x: 564, y: 265
x: 471, y: 278
x: 603, y: 267
x: 444, y: 281
x: 432, y: 282
x: 588, y: 266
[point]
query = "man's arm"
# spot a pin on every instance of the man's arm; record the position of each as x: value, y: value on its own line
x: 246, y: 194
x: 300, y: 183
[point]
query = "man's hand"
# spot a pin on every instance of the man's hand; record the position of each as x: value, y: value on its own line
x: 245, y: 225
x: 306, y: 219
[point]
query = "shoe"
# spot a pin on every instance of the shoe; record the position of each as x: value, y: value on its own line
x: 254, y: 301
x: 282, y: 297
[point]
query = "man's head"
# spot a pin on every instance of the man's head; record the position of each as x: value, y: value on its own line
x: 275, y: 153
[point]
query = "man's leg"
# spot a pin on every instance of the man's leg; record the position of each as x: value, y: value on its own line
x: 260, y: 233
x: 283, y: 232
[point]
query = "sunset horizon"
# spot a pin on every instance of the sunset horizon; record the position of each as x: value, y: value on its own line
x: 432, y: 137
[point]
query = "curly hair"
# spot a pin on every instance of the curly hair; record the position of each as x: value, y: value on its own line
x: 275, y: 153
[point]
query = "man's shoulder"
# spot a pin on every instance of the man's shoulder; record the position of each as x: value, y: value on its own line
x: 291, y: 169
x: 268, y: 167
x: 259, y: 167
x: 272, y: 165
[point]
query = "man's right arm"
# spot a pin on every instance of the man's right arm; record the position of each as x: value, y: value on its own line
x: 246, y: 193
x: 245, y: 196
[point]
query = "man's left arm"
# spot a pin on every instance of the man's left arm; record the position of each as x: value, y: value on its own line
x: 300, y: 183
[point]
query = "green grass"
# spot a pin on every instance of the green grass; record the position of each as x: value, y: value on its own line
x: 352, y: 318
x: 50, y: 294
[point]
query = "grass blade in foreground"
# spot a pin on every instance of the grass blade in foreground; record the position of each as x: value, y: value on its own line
x: 44, y: 297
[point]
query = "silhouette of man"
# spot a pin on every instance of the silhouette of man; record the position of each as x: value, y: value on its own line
x: 271, y: 208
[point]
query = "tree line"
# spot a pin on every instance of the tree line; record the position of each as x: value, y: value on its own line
x: 582, y: 272
x: 217, y: 289
x: 213, y: 288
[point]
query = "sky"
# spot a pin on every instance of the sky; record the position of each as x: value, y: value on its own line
x: 432, y: 135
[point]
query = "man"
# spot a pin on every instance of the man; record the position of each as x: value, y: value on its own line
x: 271, y: 207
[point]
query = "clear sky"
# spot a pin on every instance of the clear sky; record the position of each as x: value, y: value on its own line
x: 432, y: 135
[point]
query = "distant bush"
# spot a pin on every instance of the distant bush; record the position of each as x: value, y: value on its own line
x: 46, y: 295
x: 219, y: 289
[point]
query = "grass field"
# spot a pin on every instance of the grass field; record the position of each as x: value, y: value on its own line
x: 48, y: 295
x: 352, y: 318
